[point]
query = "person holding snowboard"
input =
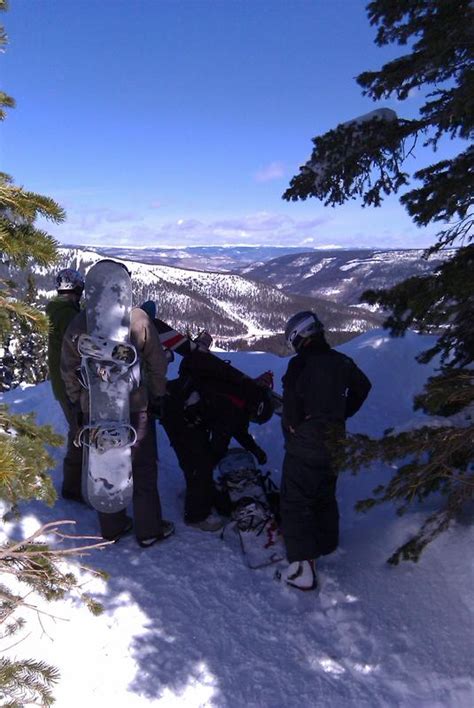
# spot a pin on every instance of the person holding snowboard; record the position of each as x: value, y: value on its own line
x: 321, y: 389
x: 61, y: 310
x: 148, y: 524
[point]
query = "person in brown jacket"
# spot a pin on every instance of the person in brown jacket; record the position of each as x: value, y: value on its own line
x: 149, y: 526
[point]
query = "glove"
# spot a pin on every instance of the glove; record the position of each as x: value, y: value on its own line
x: 157, y: 407
x: 261, y: 456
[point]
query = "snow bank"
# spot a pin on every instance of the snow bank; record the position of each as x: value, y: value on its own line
x: 187, y: 624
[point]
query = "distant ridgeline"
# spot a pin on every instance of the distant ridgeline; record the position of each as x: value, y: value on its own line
x: 245, y: 309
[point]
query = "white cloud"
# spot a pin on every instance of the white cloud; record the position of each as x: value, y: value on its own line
x: 319, y: 228
x: 274, y: 170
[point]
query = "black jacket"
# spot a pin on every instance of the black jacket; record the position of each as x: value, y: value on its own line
x: 321, y: 389
x: 224, y: 401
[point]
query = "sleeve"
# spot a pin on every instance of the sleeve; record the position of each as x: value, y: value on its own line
x: 292, y: 403
x: 70, y: 363
x: 245, y: 440
x: 229, y: 422
x: 153, y: 357
x: 358, y: 390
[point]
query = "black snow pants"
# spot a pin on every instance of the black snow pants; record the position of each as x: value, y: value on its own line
x: 72, y: 464
x: 309, y: 511
x: 191, y: 445
x: 146, y: 501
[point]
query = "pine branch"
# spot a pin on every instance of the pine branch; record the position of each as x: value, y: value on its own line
x: 24, y: 682
x: 447, y: 191
x: 357, y: 159
x: 24, y: 312
x: 460, y: 232
x: 6, y: 101
x: 37, y: 565
x: 24, y: 459
x: 24, y: 206
x: 364, y: 159
x: 440, y: 303
x: 19, y: 243
x: 448, y: 393
x: 427, y: 460
x: 432, y: 527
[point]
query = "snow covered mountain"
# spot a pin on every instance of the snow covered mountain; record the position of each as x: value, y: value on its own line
x: 186, y: 623
x: 238, y: 311
x: 342, y: 275
x: 221, y: 258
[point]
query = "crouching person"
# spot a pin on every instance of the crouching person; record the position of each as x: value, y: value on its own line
x: 148, y: 524
x: 321, y: 389
x: 189, y: 438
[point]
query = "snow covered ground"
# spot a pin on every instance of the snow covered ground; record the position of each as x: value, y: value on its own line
x: 187, y: 624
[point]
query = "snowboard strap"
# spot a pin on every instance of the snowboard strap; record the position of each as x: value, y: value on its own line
x: 107, y: 372
x: 102, y: 349
x: 251, y: 515
x: 106, y: 436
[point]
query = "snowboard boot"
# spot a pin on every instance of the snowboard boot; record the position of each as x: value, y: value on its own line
x: 127, y: 527
x: 211, y: 523
x: 167, y: 529
x: 301, y: 575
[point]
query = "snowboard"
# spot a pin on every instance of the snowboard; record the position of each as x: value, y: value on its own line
x: 108, y: 371
x: 265, y: 400
x: 254, y: 498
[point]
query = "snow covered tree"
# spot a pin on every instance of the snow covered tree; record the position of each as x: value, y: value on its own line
x: 21, y: 244
x: 24, y: 349
x: 365, y: 158
x: 29, y: 565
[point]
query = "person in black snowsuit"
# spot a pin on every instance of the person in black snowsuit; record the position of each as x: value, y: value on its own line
x: 204, y: 409
x: 189, y: 437
x: 321, y: 389
x: 225, y: 405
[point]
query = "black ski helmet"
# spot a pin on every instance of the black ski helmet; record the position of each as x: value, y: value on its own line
x: 68, y: 280
x: 301, y: 326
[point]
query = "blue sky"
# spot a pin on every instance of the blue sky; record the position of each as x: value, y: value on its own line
x: 181, y: 122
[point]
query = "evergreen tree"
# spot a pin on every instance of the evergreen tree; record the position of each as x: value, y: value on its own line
x: 24, y: 457
x: 365, y: 158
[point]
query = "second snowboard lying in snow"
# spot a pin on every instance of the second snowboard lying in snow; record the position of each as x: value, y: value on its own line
x: 254, y: 500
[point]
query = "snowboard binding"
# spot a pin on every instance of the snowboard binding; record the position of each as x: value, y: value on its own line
x: 255, y: 500
x: 107, y: 372
x: 102, y: 349
x: 106, y: 436
x: 250, y: 515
